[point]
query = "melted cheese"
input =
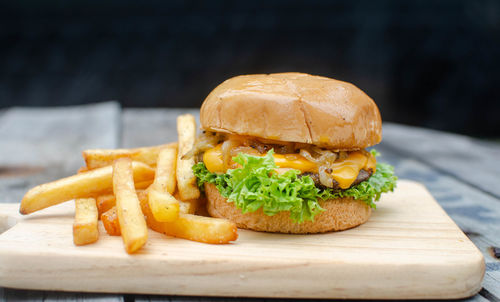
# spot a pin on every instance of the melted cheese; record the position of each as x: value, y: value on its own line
x: 214, y: 163
x: 344, y: 171
x: 371, y: 164
x: 213, y: 159
x: 295, y: 161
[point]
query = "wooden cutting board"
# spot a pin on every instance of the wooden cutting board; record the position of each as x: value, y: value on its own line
x: 409, y: 249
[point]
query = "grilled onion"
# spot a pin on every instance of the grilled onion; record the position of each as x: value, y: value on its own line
x: 226, y: 148
x: 204, y: 141
x: 325, y: 156
x: 325, y: 160
x: 319, y: 156
x: 325, y: 178
x: 307, y: 155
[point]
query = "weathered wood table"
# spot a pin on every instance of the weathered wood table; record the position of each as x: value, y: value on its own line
x: 39, y: 145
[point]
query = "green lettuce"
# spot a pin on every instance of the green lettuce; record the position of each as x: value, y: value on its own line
x: 255, y: 185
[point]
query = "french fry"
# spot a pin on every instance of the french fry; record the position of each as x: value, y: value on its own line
x: 142, y: 195
x: 109, y: 217
x: 83, y: 185
x: 108, y: 201
x: 165, y: 180
x: 105, y: 203
x: 132, y: 224
x: 82, y: 170
x: 186, y: 181
x: 85, y: 229
x: 191, y: 205
x: 141, y: 185
x: 97, y: 158
x: 192, y: 227
x: 187, y: 207
x: 163, y: 205
x: 110, y: 221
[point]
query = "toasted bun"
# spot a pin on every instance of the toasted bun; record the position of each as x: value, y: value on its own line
x: 294, y: 107
x: 339, y: 214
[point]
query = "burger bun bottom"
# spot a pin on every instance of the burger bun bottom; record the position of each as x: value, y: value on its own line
x: 339, y: 214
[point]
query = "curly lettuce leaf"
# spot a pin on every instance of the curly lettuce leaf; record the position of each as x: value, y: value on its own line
x: 255, y: 185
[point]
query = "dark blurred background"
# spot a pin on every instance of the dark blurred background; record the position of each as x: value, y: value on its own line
x: 428, y: 63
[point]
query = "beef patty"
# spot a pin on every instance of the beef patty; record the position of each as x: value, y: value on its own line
x: 362, y: 176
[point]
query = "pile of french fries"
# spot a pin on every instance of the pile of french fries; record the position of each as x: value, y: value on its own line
x: 130, y: 190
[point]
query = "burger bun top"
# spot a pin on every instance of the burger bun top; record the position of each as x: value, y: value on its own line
x: 294, y: 107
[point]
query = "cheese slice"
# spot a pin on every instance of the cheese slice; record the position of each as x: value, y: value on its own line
x: 344, y: 171
x: 213, y: 159
x: 214, y: 163
x: 295, y: 161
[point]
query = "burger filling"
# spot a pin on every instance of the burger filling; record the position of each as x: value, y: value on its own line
x: 277, y: 176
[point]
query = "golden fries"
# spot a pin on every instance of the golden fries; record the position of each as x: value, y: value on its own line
x: 187, y: 207
x: 108, y: 201
x: 141, y: 185
x: 192, y: 227
x: 97, y: 158
x: 105, y: 203
x: 163, y: 205
x: 132, y: 224
x: 83, y: 185
x: 82, y: 170
x: 85, y: 225
x: 110, y: 217
x: 186, y: 181
x: 130, y: 190
x: 110, y: 221
x: 165, y: 180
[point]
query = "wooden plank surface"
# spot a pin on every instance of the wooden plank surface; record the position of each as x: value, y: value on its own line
x: 37, y: 136
x: 470, y: 160
x: 147, y: 127
x: 475, y: 212
x: 377, y: 256
x: 461, y: 173
x: 39, y: 145
x: 10, y: 294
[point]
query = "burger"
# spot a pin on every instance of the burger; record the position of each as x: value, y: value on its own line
x: 286, y: 153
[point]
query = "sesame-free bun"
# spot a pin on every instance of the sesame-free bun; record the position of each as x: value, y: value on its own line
x: 294, y: 107
x: 339, y: 214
